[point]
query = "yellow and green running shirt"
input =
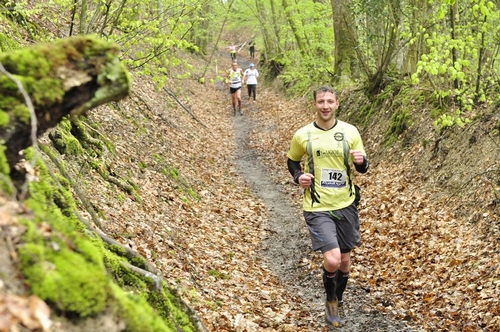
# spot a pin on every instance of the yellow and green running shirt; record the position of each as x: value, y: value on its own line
x: 328, y: 158
x: 235, y: 77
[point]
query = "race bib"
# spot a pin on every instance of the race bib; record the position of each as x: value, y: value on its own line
x: 333, y: 178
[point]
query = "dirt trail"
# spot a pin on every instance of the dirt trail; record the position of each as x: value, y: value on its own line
x: 287, y: 247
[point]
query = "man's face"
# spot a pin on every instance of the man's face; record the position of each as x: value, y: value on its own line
x: 326, y: 104
x: 235, y: 65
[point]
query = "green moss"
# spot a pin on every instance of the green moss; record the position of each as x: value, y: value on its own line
x: 64, y: 278
x: 22, y: 113
x: 93, y: 147
x: 49, y: 199
x: 400, y: 122
x: 123, y: 276
x: 64, y: 142
x: 9, y: 103
x: 218, y: 274
x: 168, y: 303
x: 4, y: 119
x: 4, y: 166
x: 73, y: 271
x: 38, y: 69
x: 158, y: 157
x: 7, y: 43
x: 5, y: 183
x: 192, y: 193
x: 45, y: 90
x: 32, y: 69
x: 174, y: 173
x: 137, y: 311
x: 138, y: 315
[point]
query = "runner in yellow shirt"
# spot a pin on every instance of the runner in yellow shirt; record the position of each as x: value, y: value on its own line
x: 329, y: 148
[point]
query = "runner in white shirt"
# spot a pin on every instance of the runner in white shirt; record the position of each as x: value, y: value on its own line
x: 251, y: 75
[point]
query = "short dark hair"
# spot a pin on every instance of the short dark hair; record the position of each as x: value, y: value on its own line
x: 323, y: 89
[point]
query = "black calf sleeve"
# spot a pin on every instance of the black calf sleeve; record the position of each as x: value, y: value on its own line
x: 341, y: 283
x: 330, y: 283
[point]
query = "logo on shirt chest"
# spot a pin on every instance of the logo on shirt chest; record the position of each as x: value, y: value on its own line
x: 319, y: 153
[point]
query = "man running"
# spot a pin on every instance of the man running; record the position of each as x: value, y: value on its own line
x: 235, y: 76
x: 232, y: 52
x: 252, y: 49
x: 329, y: 148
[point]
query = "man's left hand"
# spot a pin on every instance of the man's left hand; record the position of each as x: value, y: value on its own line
x: 357, y: 156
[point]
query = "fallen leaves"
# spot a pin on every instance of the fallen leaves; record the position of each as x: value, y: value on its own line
x: 29, y: 312
x: 419, y: 260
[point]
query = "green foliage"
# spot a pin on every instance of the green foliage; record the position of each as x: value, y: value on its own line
x: 313, y: 65
x: 459, y: 63
x: 446, y: 121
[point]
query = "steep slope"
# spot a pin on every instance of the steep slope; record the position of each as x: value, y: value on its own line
x: 206, y: 198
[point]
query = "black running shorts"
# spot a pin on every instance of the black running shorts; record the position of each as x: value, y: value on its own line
x: 233, y: 90
x: 334, y: 229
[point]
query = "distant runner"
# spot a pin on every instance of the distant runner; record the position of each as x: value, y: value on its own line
x: 235, y: 76
x: 252, y: 49
x: 251, y: 75
x: 232, y: 51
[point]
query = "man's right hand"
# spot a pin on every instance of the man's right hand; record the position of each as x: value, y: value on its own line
x: 305, y: 180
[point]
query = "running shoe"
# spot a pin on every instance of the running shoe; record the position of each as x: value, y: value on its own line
x: 332, y: 313
x: 342, y: 314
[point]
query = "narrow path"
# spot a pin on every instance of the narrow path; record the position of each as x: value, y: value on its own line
x: 287, y: 248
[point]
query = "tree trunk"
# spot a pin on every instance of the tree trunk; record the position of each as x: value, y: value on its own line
x: 389, y: 47
x: 346, y: 63
x: 292, y: 21
x: 417, y: 48
x: 66, y: 77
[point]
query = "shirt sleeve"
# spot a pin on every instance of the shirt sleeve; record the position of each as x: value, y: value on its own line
x: 295, y: 169
x: 295, y: 152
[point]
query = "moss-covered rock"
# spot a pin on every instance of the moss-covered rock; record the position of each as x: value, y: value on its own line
x: 65, y: 77
x: 65, y: 278
x: 72, y: 269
